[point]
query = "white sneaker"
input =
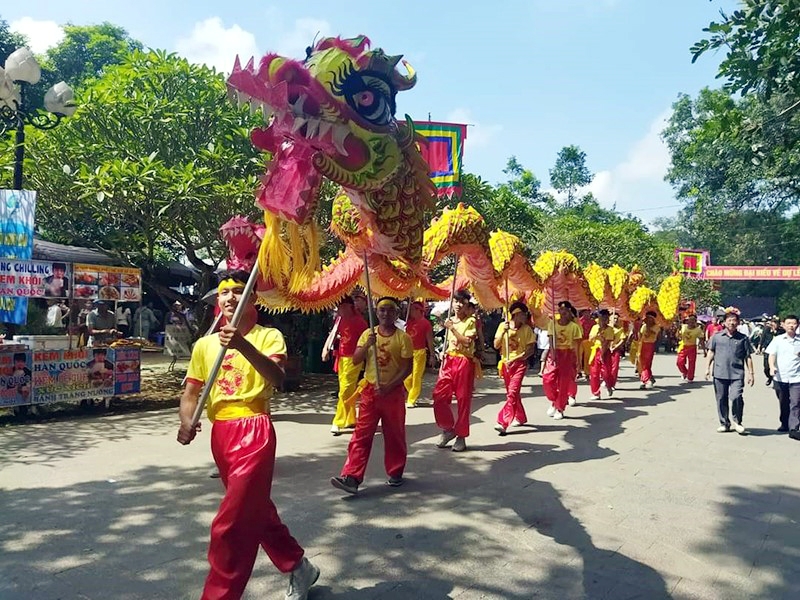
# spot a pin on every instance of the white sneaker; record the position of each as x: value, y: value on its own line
x: 739, y: 428
x: 558, y: 416
x: 300, y: 581
x: 551, y: 411
x: 571, y: 401
x: 650, y: 385
x: 596, y: 397
x: 335, y: 430
x: 723, y: 429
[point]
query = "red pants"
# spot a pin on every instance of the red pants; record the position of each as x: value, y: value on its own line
x: 244, y: 450
x: 513, y: 409
x: 599, y: 370
x: 390, y: 410
x: 613, y: 371
x: 646, y: 353
x: 457, y: 377
x: 558, y: 378
x: 687, y: 358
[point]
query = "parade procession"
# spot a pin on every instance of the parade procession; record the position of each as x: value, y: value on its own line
x: 396, y: 379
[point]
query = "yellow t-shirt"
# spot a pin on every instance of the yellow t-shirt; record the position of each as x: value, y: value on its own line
x: 518, y: 341
x: 239, y: 390
x: 619, y: 335
x: 466, y: 328
x: 689, y: 337
x: 647, y: 335
x: 596, y: 338
x: 391, y: 349
x: 565, y: 335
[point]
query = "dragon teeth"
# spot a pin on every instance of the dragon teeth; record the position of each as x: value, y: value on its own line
x: 297, y: 107
x: 324, y: 128
x: 298, y: 123
x: 311, y: 128
x: 340, y: 133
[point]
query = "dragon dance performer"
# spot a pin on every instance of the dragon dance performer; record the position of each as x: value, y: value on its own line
x: 521, y: 345
x: 559, y: 374
x: 351, y: 326
x: 572, y: 394
x: 648, y: 335
x: 382, y: 399
x: 243, y: 444
x: 421, y: 332
x: 617, y: 349
x: 633, y: 336
x: 690, y: 335
x: 457, y: 376
x: 586, y: 321
x: 601, y: 337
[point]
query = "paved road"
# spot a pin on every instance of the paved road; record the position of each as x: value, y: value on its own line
x: 635, y: 497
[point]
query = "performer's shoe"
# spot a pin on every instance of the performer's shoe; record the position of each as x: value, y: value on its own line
x: 650, y: 384
x: 610, y: 392
x: 347, y: 484
x: 783, y: 429
x: 794, y: 434
x: 643, y: 386
x: 551, y: 411
x: 559, y: 415
x: 516, y: 423
x: 410, y: 405
x: 302, y: 578
x: 215, y: 473
x: 739, y: 428
x: 723, y: 429
x: 571, y: 401
x: 445, y: 438
x: 460, y: 445
x: 336, y: 430
x: 395, y: 481
x: 351, y: 427
x: 500, y: 429
x: 596, y: 397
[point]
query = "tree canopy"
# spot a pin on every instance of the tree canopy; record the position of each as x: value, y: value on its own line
x: 570, y: 172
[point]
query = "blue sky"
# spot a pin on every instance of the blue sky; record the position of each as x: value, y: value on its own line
x: 531, y: 76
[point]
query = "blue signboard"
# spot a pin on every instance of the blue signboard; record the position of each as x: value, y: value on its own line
x: 17, y: 208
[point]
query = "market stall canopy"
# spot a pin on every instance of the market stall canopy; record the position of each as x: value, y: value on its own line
x: 43, y: 250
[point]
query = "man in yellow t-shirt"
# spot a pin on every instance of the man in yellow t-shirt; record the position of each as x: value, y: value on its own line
x: 456, y: 376
x: 243, y: 445
x: 383, y: 399
x: 617, y: 348
x: 516, y: 342
x: 648, y: 335
x: 601, y: 337
x: 558, y: 378
x: 688, y: 338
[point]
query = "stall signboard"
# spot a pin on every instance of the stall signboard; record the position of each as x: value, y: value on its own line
x: 17, y: 209
x: 34, y: 279
x: 114, y: 284
x: 15, y: 377
x: 64, y: 375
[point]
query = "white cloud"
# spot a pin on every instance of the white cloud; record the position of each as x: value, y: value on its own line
x: 637, y: 185
x: 293, y: 41
x: 478, y: 135
x: 215, y: 45
x: 41, y: 34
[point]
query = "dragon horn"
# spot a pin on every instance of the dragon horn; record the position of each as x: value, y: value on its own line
x: 405, y: 82
x: 405, y: 138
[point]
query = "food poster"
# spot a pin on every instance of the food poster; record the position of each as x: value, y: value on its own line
x: 115, y: 284
x: 34, y: 279
x: 63, y: 375
x: 127, y: 370
x: 15, y: 377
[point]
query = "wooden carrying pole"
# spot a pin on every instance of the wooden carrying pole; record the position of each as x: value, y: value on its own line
x: 237, y: 316
x: 449, y: 312
x: 508, y: 323
x: 371, y: 319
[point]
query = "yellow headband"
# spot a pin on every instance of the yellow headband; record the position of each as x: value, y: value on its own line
x: 387, y: 302
x: 516, y: 311
x: 229, y: 284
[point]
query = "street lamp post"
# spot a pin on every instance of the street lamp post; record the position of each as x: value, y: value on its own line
x: 21, y: 71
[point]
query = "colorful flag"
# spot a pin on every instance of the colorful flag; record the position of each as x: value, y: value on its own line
x: 691, y: 263
x: 443, y: 153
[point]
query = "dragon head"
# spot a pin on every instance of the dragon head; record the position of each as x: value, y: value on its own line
x: 331, y: 115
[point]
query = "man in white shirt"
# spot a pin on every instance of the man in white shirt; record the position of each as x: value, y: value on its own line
x: 784, y: 365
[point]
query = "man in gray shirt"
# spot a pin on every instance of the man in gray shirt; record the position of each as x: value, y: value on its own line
x: 102, y: 325
x: 784, y: 364
x: 729, y: 351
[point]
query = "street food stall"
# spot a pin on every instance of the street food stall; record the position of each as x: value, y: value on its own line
x: 37, y: 370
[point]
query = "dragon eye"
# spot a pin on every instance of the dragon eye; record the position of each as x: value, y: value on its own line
x: 364, y: 99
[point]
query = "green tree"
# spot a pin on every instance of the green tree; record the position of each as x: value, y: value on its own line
x: 570, y: 172
x: 9, y: 41
x: 762, y: 47
x: 151, y: 165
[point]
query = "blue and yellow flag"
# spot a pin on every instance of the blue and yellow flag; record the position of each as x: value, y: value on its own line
x: 443, y: 153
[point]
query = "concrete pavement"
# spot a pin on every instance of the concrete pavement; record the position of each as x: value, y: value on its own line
x: 633, y: 497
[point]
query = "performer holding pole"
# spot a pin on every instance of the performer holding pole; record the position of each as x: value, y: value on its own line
x: 617, y: 350
x: 420, y: 331
x: 380, y: 402
x: 648, y: 335
x: 562, y: 362
x: 449, y: 315
x: 243, y: 443
x: 601, y: 337
x: 350, y: 325
x: 370, y: 309
x: 520, y: 343
x: 456, y: 376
